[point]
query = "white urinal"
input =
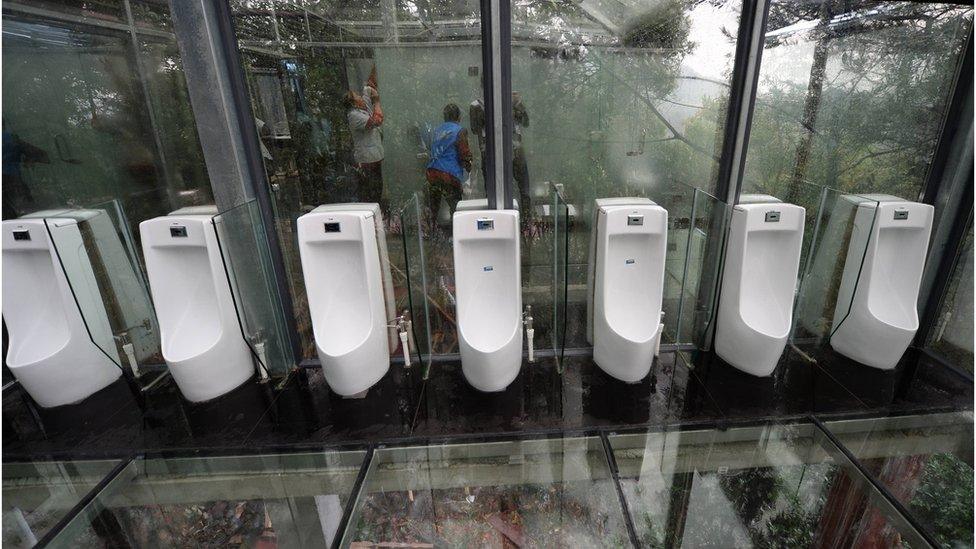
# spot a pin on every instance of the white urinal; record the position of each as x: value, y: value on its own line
x: 876, y: 316
x: 628, y: 249
x: 488, y: 284
x: 58, y: 355
x: 476, y: 204
x: 124, y: 282
x: 756, y: 304
x: 198, y: 324
x: 349, y: 296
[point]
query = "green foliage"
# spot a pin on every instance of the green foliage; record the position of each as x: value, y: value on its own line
x: 944, y: 500
x: 887, y: 81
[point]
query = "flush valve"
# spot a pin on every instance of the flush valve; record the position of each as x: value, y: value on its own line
x: 529, y: 331
x: 402, y: 324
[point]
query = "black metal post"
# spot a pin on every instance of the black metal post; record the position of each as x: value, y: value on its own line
x: 742, y: 98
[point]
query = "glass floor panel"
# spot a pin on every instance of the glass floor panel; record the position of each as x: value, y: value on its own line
x: 285, y: 500
x: 925, y: 462
x: 779, y: 485
x: 543, y: 492
x: 36, y: 495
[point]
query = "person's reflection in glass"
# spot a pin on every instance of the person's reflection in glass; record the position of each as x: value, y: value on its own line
x: 476, y: 114
x: 17, y: 197
x: 520, y: 169
x: 450, y: 161
x: 365, y: 117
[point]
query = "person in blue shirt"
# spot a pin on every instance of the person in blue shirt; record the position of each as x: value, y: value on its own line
x: 450, y: 160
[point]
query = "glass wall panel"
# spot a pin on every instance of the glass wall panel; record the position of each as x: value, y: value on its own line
x: 95, y: 109
x: 291, y: 500
x: 366, y: 102
x: 952, y: 336
x: 852, y: 95
x: 36, y: 495
x: 618, y: 100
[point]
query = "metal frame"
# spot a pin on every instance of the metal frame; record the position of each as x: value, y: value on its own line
x: 489, y: 57
x: 952, y: 125
x: 742, y: 98
x: 79, y: 507
x: 949, y: 187
x: 496, y: 65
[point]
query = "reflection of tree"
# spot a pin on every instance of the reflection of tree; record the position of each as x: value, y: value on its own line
x: 868, y: 116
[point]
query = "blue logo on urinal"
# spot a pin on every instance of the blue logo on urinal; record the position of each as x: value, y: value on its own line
x: 488, y: 268
x: 630, y: 261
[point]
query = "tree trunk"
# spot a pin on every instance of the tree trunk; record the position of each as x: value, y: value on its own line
x: 812, y: 103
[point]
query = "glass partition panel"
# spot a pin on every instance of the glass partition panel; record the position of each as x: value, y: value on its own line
x: 576, y: 245
x: 764, y: 486
x: 926, y: 462
x: 367, y: 102
x: 853, y: 94
x: 38, y: 494
x: 96, y: 252
x: 703, y: 249
x: 417, y: 279
x: 679, y: 201
x: 247, y: 260
x: 952, y: 336
x: 553, y: 492
x: 836, y: 238
x: 295, y: 500
x: 545, y: 249
x: 539, y: 236
x: 561, y: 219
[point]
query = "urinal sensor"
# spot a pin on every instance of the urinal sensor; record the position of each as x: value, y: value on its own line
x: 486, y: 224
x: 901, y: 215
x: 177, y: 232
x: 332, y: 227
x: 22, y: 235
x: 772, y: 217
x: 635, y: 220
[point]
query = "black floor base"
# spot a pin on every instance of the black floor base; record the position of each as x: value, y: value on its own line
x: 682, y: 387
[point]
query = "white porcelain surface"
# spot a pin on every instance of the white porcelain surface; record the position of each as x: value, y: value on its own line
x: 385, y: 271
x: 489, y: 297
x: 346, y: 297
x: 876, y: 315
x: 759, y: 277
x: 52, y: 346
x: 201, y: 336
x: 126, y: 285
x: 476, y: 204
x: 628, y: 286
